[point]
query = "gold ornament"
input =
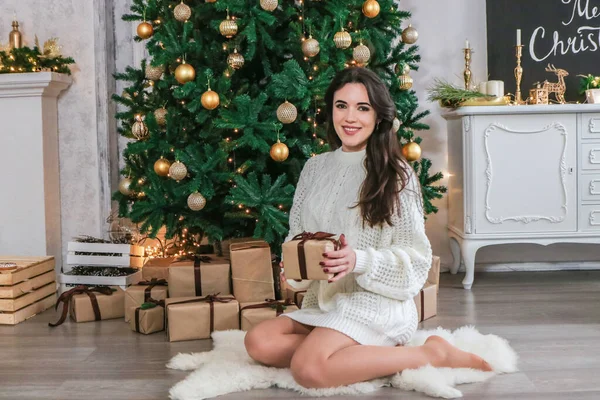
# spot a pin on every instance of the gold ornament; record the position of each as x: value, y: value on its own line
x: 342, y: 39
x: 405, y: 82
x: 228, y: 27
x: 139, y: 128
x: 287, y: 112
x: 361, y: 54
x: 279, y: 151
x: 310, y: 47
x: 154, y: 73
x: 371, y: 8
x: 411, y: 151
x: 402, y: 68
x: 145, y: 30
x: 125, y: 187
x: 268, y: 5
x: 235, y: 60
x: 396, y: 125
x: 160, y: 115
x: 185, y: 73
x: 210, y: 99
x: 182, y: 12
x: 161, y: 167
x: 196, y: 201
x: 177, y: 171
x: 410, y: 35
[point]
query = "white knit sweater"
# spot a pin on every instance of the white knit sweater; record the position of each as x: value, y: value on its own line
x: 374, y: 304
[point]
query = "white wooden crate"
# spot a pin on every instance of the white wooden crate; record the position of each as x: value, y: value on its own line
x: 109, y: 255
x: 122, y: 281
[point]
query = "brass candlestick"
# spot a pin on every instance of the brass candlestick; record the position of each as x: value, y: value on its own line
x: 519, y: 75
x: 467, y: 74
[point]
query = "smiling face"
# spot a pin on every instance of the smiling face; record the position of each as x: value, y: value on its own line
x: 354, y: 118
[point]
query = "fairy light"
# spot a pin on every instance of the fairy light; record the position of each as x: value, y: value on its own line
x: 236, y: 130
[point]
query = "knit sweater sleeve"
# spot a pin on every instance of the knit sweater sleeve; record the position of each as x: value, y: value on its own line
x: 399, y: 271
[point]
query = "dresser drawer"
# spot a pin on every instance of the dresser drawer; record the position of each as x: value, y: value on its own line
x: 590, y: 126
x: 590, y: 156
x: 589, y: 187
x: 589, y: 217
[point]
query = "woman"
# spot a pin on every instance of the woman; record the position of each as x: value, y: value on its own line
x: 352, y: 328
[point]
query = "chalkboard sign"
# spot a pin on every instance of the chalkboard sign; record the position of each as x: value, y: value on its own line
x: 563, y: 33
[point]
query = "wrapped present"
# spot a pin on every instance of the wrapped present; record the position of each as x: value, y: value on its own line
x: 143, y: 292
x: 253, y: 313
x: 91, y: 304
x: 148, y: 318
x: 157, y: 268
x: 433, y: 276
x: 304, y: 253
x: 426, y: 302
x: 201, y: 276
x: 295, y: 295
x: 190, y: 318
x: 252, y: 271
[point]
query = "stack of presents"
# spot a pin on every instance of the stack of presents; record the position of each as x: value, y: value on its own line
x: 191, y: 298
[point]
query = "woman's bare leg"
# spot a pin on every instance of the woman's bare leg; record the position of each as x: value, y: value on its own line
x: 328, y: 358
x: 273, y: 342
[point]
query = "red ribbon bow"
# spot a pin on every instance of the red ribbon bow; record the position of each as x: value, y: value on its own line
x: 67, y: 297
x: 303, y: 237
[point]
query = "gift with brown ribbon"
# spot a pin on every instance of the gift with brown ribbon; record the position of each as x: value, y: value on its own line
x: 90, y: 304
x: 426, y: 302
x: 149, y: 317
x: 253, y: 313
x: 296, y: 295
x: 157, y: 268
x: 303, y: 254
x: 191, y: 318
x: 252, y: 271
x: 144, y: 291
x: 200, y: 276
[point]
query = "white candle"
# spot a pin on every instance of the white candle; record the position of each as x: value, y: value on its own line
x: 518, y: 37
x: 467, y: 44
x: 495, y: 88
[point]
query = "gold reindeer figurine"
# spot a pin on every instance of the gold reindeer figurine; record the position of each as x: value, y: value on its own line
x: 558, y: 88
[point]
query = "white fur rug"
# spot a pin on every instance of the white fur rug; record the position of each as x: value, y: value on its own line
x: 228, y: 368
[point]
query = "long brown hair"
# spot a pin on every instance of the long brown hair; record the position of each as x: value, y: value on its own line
x: 384, y: 162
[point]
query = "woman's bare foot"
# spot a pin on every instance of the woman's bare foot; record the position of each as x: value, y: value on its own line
x: 443, y: 354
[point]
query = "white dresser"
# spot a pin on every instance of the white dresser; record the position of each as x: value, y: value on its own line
x: 522, y: 174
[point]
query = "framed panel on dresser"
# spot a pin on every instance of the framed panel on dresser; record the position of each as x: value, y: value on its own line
x: 524, y: 174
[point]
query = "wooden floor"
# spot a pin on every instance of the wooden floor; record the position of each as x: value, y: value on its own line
x: 552, y: 319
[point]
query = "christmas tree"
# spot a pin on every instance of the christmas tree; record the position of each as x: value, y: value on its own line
x: 230, y: 106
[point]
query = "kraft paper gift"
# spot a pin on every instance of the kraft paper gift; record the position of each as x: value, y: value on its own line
x: 304, y: 253
x: 157, y: 268
x: 426, y: 302
x: 135, y: 295
x: 434, y: 272
x: 110, y: 306
x: 253, y: 313
x: 190, y: 318
x: 296, y: 295
x: 207, y: 274
x: 252, y: 271
x: 148, y: 318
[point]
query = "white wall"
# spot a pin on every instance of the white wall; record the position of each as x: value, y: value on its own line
x: 72, y: 21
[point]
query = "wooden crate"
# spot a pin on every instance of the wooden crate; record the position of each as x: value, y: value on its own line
x: 15, y: 317
x: 27, y: 268
x: 27, y: 299
x: 108, y: 255
x: 11, y: 292
x: 122, y: 281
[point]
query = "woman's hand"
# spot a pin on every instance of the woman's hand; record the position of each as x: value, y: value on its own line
x: 340, y: 262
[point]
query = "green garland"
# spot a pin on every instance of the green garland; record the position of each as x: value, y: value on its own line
x: 26, y: 59
x: 449, y: 95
